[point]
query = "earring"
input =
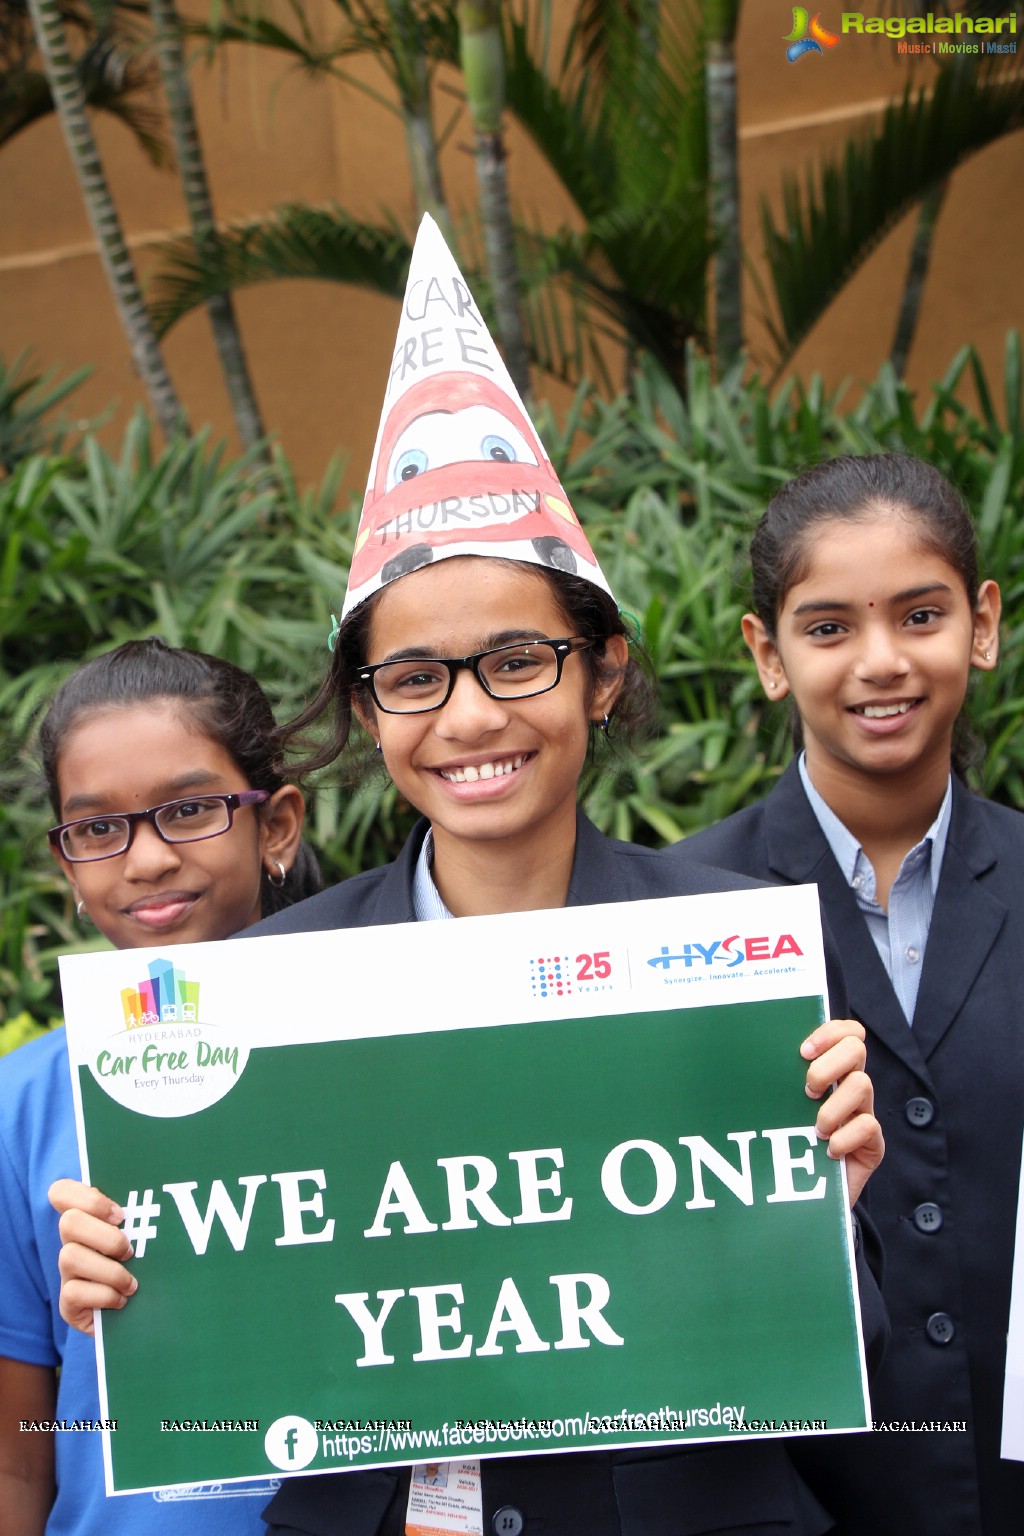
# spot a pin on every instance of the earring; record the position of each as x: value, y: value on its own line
x: 601, y: 725
x: 82, y: 913
x: 376, y: 750
x: 279, y: 879
x: 988, y: 655
x: 773, y: 685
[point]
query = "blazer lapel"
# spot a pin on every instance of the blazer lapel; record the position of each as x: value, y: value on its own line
x: 965, y: 923
x: 393, y: 903
x: 595, y: 876
x: 798, y: 852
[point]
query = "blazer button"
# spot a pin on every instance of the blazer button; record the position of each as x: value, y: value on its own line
x: 507, y: 1521
x: 919, y: 1112
x: 940, y: 1328
x: 928, y: 1217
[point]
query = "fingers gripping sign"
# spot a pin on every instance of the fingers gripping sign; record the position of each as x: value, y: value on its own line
x: 836, y: 1054
x: 93, y: 1273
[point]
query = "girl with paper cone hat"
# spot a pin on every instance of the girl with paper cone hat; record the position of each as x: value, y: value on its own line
x: 480, y: 648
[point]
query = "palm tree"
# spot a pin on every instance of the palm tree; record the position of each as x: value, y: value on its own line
x: 721, y: 18
x: 69, y: 99
x: 482, y: 51
x: 114, y: 77
x: 619, y: 115
x: 620, y: 118
x: 404, y: 48
x: 829, y: 227
x: 195, y: 187
x: 924, y: 233
x: 917, y: 273
x: 407, y: 37
x: 622, y: 128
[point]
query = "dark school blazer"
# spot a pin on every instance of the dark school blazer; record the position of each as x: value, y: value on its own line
x: 746, y: 1487
x: 950, y: 1096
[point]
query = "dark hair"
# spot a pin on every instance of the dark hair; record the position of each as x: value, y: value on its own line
x: 589, y: 612
x: 227, y: 704
x: 854, y: 488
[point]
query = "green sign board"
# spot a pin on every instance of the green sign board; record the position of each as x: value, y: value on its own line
x: 490, y: 1187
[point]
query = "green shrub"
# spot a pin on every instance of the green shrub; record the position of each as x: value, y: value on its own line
x: 29, y: 419
x: 20, y: 1029
x: 231, y: 557
x: 670, y: 492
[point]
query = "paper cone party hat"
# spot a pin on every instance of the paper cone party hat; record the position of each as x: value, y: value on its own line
x: 458, y: 468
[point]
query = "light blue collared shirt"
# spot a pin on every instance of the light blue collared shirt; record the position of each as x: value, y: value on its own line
x: 426, y: 898
x: 901, y: 934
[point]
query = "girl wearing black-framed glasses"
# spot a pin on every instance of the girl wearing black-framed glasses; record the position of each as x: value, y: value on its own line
x: 495, y: 778
x: 193, y: 739
x: 468, y: 567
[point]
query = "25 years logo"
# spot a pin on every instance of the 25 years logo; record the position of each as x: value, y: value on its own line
x: 559, y: 975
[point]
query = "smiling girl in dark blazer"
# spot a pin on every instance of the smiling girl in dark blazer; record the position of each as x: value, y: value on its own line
x: 870, y: 615
x: 486, y: 659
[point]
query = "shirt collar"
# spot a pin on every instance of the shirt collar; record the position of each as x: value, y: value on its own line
x: 426, y: 898
x: 845, y: 846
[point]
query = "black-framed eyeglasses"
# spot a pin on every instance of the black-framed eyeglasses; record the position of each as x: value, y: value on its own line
x: 413, y: 685
x: 176, y: 821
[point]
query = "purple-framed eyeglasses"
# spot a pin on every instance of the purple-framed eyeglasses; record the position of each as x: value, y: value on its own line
x: 177, y: 821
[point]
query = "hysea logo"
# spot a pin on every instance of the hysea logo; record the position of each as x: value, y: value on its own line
x: 730, y: 952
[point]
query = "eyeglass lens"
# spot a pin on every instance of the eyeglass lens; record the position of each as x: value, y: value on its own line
x: 181, y: 821
x: 511, y: 672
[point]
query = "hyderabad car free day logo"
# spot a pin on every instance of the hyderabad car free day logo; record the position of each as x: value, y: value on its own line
x: 808, y: 35
x: 164, y: 996
x: 164, y: 1060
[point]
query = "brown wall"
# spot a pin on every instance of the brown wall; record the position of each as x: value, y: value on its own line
x: 319, y: 351
x: 793, y: 113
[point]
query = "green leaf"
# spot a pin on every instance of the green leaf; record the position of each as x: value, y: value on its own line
x: 828, y: 229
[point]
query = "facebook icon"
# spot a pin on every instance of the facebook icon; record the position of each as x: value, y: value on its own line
x: 291, y: 1443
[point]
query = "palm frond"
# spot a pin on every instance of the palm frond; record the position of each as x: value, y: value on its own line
x: 116, y: 79
x: 613, y: 128
x: 364, y: 28
x: 828, y: 229
x: 564, y: 119
x: 564, y: 334
x: 623, y: 128
x: 251, y: 24
x: 640, y: 270
x: 24, y: 99
x: 295, y: 242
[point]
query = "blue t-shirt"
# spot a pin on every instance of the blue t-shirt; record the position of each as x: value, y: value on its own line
x: 38, y: 1145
